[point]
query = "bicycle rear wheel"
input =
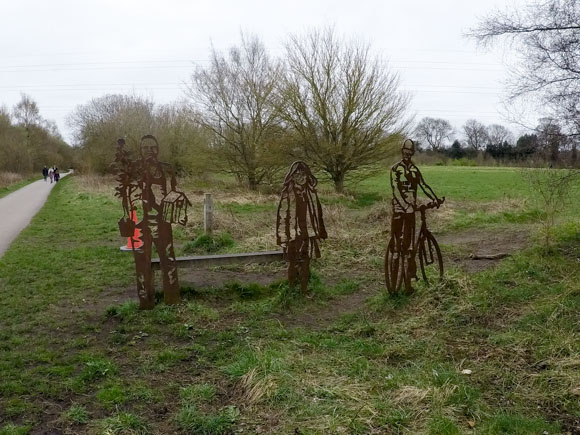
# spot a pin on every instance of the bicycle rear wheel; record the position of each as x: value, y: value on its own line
x: 430, y: 257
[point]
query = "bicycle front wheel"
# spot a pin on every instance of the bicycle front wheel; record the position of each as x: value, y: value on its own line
x: 430, y: 257
x: 396, y: 270
x: 392, y: 268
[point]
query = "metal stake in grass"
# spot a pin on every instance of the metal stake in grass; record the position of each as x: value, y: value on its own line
x: 207, y: 213
x: 299, y: 223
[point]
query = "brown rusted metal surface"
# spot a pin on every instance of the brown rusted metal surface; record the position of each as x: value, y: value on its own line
x: 299, y: 223
x: 406, y: 247
x: 153, y: 185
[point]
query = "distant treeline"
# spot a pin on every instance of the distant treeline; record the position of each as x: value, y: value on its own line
x: 325, y: 100
x: 527, y: 150
x: 547, y: 145
x: 28, y: 142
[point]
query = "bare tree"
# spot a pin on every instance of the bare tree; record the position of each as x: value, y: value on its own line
x: 551, y: 189
x: 342, y: 105
x: 100, y: 122
x: 235, y: 98
x: 476, y: 134
x: 184, y: 141
x: 544, y: 34
x: 573, y: 141
x: 5, y: 117
x: 550, y: 138
x: 434, y: 131
x: 498, y: 134
x: 26, y: 112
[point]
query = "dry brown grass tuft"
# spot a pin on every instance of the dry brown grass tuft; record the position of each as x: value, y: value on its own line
x: 411, y: 395
x: 8, y: 178
x: 96, y: 184
x: 252, y: 388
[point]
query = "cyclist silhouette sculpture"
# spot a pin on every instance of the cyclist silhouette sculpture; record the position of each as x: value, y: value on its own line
x: 404, y: 246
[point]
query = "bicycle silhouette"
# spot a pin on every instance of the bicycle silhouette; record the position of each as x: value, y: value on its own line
x: 401, y: 268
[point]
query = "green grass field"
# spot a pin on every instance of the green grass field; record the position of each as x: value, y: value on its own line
x: 487, y: 351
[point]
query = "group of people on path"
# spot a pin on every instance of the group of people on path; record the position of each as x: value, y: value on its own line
x: 51, y: 173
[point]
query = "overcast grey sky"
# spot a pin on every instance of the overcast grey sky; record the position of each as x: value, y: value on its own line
x: 65, y: 52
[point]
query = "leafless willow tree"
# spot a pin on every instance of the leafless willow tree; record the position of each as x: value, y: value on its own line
x: 235, y: 98
x: 434, y: 131
x: 26, y: 112
x: 99, y: 123
x: 475, y: 134
x: 183, y: 141
x: 343, y: 105
x: 550, y: 138
x: 546, y: 36
x: 497, y: 134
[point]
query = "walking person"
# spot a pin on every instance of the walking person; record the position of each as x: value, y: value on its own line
x: 44, y: 172
x: 51, y: 174
x: 56, y: 175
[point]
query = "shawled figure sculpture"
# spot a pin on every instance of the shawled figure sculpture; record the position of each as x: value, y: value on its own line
x: 154, y: 184
x: 404, y: 246
x: 299, y: 223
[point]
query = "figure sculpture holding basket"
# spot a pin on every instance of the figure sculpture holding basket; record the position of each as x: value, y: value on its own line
x: 154, y: 184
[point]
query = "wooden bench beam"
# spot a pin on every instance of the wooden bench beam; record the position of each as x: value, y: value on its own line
x: 224, y: 259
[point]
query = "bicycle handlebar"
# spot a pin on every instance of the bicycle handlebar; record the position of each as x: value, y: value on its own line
x: 432, y: 204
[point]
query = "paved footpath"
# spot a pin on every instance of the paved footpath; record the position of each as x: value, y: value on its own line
x: 18, y: 208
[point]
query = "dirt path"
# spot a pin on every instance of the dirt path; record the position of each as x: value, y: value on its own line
x: 318, y: 316
x: 484, y: 242
x: 18, y: 208
x: 467, y: 243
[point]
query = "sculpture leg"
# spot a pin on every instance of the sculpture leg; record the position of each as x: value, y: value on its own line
x: 292, y: 266
x: 304, y: 274
x: 408, y: 250
x: 304, y: 264
x: 164, y: 243
x: 145, y: 289
x: 397, y: 232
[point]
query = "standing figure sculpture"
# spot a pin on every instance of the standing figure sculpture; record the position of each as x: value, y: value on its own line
x: 404, y: 246
x: 299, y: 223
x: 154, y: 184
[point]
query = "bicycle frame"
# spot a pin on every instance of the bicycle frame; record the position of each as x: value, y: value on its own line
x: 423, y: 232
x: 424, y: 247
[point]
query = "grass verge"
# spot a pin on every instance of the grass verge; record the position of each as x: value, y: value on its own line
x: 493, y: 352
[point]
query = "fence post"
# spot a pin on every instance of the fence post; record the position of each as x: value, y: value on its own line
x: 207, y: 213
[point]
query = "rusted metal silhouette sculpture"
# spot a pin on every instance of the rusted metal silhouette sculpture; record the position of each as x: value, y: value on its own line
x: 404, y: 246
x: 299, y: 223
x: 154, y: 184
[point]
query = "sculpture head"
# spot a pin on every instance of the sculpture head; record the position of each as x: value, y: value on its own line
x: 300, y: 175
x: 408, y: 150
x: 149, y: 148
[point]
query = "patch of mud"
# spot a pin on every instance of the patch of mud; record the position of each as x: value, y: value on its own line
x: 203, y: 278
x: 319, y: 317
x: 484, y: 242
